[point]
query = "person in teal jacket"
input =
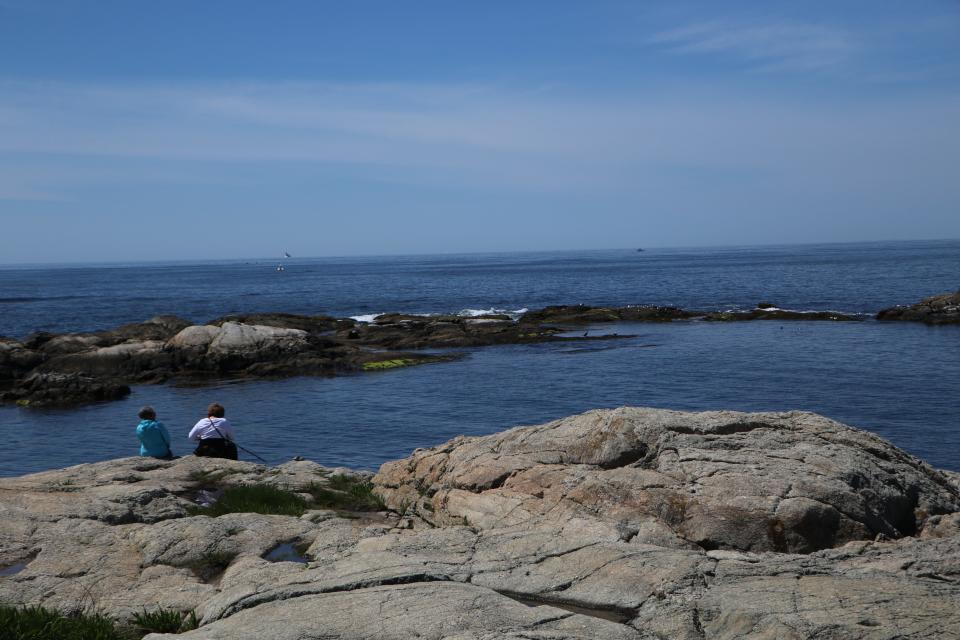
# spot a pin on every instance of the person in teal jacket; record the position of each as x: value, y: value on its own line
x: 153, y: 436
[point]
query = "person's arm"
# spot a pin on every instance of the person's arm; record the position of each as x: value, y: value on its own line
x: 195, y: 432
x: 140, y: 432
x: 165, y: 433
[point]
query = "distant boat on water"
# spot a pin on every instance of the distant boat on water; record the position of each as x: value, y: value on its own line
x: 640, y: 250
x: 280, y: 267
x: 286, y: 255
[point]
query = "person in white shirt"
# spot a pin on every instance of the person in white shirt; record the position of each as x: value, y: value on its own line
x: 214, y: 435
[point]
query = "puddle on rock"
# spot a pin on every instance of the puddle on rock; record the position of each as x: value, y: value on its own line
x: 14, y: 569
x: 207, y: 497
x: 286, y: 552
x: 613, y: 615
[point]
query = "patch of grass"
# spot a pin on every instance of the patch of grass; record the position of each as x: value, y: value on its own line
x: 388, y: 364
x: 165, y: 621
x: 346, y: 492
x: 254, y: 498
x: 39, y: 623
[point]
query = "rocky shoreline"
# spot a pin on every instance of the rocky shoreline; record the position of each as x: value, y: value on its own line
x: 46, y: 369
x: 629, y: 523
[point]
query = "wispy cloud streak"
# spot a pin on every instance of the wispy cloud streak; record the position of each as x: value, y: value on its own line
x: 766, y: 47
x: 470, y: 136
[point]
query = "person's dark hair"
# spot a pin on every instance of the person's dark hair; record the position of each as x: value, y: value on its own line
x: 147, y: 413
x: 216, y: 410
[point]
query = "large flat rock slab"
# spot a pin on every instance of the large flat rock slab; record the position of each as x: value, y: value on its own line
x: 432, y: 611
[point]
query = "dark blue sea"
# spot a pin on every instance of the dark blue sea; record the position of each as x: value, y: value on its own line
x: 900, y: 380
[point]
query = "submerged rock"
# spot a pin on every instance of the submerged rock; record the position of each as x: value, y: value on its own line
x: 582, y: 314
x: 941, y: 309
x: 627, y: 524
x: 772, y: 313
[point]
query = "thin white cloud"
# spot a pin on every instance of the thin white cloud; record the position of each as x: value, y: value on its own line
x: 765, y: 47
x: 477, y: 137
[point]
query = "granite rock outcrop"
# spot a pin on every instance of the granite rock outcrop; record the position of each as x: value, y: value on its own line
x: 629, y: 523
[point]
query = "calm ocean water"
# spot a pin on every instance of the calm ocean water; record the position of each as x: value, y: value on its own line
x: 901, y: 381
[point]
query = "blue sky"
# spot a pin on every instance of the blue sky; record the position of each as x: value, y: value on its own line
x: 178, y: 130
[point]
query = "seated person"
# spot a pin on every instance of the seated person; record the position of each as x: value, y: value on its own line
x: 153, y: 436
x: 214, y: 435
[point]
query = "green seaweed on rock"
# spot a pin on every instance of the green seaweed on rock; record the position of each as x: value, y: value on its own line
x: 388, y: 364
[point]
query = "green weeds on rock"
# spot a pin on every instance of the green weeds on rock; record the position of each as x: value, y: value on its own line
x: 255, y: 498
x: 341, y: 492
x: 165, y: 621
x: 346, y: 493
x: 40, y: 623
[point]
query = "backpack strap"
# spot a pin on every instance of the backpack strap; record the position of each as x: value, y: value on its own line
x: 218, y: 430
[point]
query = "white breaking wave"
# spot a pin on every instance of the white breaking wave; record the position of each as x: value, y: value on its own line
x: 464, y: 313
x: 472, y: 313
x: 370, y: 317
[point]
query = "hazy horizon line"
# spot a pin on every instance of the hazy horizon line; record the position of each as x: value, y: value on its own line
x: 281, y: 260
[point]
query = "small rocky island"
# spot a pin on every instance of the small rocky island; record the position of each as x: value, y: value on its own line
x: 936, y: 310
x: 46, y: 369
x: 632, y: 523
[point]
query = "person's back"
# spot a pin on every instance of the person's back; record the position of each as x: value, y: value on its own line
x: 212, y: 427
x: 214, y: 435
x: 154, y: 437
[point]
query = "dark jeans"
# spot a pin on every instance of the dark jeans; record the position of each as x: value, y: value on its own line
x: 216, y: 448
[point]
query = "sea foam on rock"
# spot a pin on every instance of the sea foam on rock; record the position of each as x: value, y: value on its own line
x: 629, y: 523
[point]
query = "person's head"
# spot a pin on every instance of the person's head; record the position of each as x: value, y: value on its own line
x: 147, y: 413
x: 216, y: 410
